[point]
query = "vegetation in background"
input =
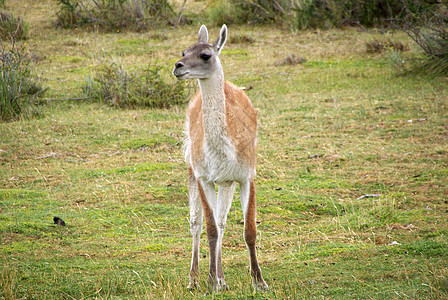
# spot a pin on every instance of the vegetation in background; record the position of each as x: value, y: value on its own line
x: 302, y: 14
x: 145, y: 86
x: 17, y: 85
x: 114, y: 14
x: 430, y: 32
x: 12, y: 27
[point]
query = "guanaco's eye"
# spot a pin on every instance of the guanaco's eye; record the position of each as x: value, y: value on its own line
x: 205, y: 56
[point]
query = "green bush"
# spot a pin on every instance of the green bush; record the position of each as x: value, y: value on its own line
x: 302, y: 14
x: 114, y: 14
x: 430, y: 32
x: 224, y: 12
x: 436, y: 56
x: 12, y: 27
x: 113, y: 85
x: 17, y: 87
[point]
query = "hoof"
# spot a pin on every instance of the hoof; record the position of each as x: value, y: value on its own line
x: 193, y: 286
x: 222, y: 286
x: 216, y: 289
x: 260, y: 286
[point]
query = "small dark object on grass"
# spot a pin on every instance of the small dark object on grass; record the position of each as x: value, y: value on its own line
x: 58, y: 221
x: 369, y: 196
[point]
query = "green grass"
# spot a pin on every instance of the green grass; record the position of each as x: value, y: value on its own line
x: 340, y: 126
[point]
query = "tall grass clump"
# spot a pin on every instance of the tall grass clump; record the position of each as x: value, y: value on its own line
x: 430, y: 32
x: 17, y: 86
x: 303, y: 14
x: 380, y: 46
x: 226, y: 12
x: 144, y: 87
x: 111, y: 15
x: 12, y: 27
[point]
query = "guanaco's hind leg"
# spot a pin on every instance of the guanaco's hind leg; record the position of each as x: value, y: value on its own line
x: 248, y: 203
x: 208, y: 198
x: 196, y: 216
x: 225, y: 197
x: 215, y: 211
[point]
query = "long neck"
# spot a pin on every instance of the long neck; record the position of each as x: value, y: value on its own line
x: 213, y: 105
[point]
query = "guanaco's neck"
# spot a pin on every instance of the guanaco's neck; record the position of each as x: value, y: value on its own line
x: 213, y: 104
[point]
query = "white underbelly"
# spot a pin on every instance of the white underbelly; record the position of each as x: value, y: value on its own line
x: 222, y: 171
x: 219, y: 164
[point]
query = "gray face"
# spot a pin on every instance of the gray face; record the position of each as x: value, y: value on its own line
x: 199, y: 62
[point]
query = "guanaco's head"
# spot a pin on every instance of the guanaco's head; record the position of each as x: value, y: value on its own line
x: 201, y: 61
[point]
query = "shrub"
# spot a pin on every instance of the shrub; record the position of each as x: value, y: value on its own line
x: 225, y: 12
x: 113, y: 85
x: 17, y: 87
x: 246, y: 12
x: 12, y: 27
x: 114, y: 14
x: 430, y: 32
x: 302, y: 14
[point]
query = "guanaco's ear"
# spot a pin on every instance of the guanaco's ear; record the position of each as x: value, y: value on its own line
x: 203, y: 35
x: 219, y: 44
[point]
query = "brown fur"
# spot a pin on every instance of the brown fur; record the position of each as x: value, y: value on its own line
x: 195, y: 116
x: 250, y: 235
x: 250, y: 230
x: 242, y: 123
x: 241, y: 118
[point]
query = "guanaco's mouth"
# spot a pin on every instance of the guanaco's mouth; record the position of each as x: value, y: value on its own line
x: 180, y: 76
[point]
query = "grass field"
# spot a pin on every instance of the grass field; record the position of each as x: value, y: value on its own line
x: 352, y: 175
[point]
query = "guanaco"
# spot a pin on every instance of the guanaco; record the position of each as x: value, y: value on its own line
x: 220, y: 148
